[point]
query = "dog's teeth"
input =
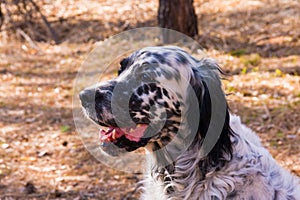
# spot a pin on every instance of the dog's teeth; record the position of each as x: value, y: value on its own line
x: 138, y: 125
x: 114, y: 134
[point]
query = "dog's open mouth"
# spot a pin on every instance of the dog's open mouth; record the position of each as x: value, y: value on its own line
x: 134, y: 134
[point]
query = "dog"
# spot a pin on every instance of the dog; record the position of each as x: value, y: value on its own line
x: 172, y: 104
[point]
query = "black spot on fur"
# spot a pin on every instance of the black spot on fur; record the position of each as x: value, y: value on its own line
x: 153, y: 87
x: 181, y: 58
x: 147, y: 53
x: 165, y: 92
x: 146, y: 107
x: 140, y: 91
x: 166, y: 105
x: 169, y: 113
x: 151, y: 102
x: 159, y: 57
x: 177, y: 112
x: 146, y: 89
x: 158, y: 93
x: 170, y: 123
x: 232, y: 195
x: 156, y: 146
x: 173, y: 129
x: 165, y: 140
x: 166, y: 54
x: 176, y: 104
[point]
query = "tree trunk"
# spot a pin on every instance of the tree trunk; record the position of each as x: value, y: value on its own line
x: 177, y: 15
x: 1, y: 16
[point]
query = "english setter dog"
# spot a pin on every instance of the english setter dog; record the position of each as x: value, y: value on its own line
x: 166, y: 101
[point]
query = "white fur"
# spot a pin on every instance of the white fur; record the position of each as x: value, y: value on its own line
x: 252, y: 173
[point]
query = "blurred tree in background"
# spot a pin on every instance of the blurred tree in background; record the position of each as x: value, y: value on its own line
x: 178, y: 15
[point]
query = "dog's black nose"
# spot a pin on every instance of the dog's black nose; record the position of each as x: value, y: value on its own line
x: 87, y: 96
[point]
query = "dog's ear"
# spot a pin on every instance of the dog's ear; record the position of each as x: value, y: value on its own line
x: 206, y: 85
x: 123, y: 65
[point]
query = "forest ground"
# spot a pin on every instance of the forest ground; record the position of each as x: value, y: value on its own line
x: 257, y: 43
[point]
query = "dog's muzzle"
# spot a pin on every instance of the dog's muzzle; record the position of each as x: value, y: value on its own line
x: 116, y: 131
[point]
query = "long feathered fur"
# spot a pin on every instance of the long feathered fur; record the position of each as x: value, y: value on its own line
x: 211, y: 155
x: 237, y: 167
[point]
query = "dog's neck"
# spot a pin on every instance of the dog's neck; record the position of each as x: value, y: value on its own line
x: 180, y: 174
x: 180, y: 166
x: 176, y: 175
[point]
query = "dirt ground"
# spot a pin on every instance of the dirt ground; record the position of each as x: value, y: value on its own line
x: 257, y: 44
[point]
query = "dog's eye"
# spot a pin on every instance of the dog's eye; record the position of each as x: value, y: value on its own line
x: 145, y: 66
x: 146, y: 72
x: 147, y: 77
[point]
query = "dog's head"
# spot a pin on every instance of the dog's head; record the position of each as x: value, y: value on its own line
x: 150, y: 100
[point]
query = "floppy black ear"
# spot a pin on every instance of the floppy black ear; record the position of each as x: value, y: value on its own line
x: 123, y: 65
x: 126, y: 62
x: 222, y: 149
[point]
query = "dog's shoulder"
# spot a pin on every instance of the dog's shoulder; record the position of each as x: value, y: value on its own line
x: 243, y: 131
x: 260, y: 172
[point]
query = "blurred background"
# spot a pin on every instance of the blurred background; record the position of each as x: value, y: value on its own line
x: 43, y: 43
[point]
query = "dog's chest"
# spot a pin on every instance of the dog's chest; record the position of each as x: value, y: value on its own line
x: 153, y: 189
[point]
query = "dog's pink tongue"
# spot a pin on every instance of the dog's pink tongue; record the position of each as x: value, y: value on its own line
x: 135, y: 134
x: 132, y: 134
